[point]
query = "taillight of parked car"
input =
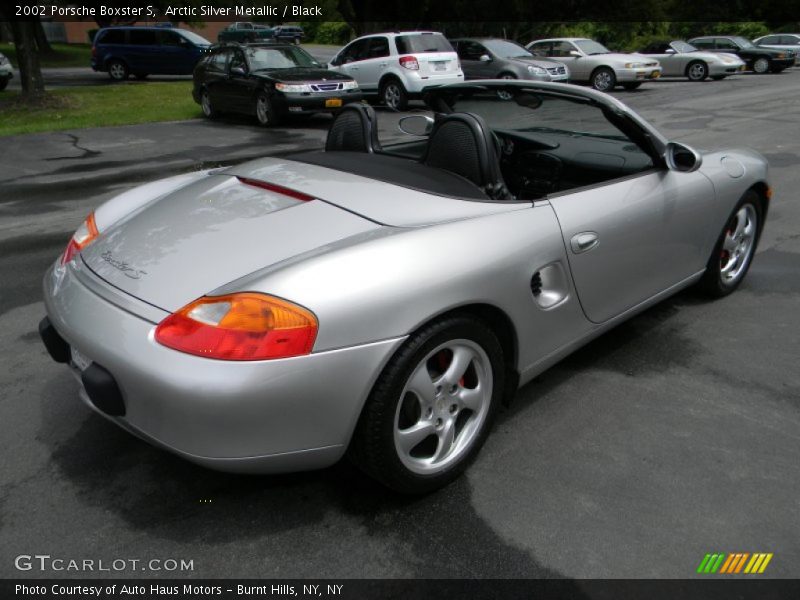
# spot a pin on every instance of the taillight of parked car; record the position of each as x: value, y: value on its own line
x: 242, y: 326
x: 409, y: 62
x: 85, y: 235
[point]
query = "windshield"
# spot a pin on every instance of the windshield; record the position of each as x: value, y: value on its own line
x: 506, y: 49
x: 591, y: 47
x: 743, y: 42
x: 279, y: 58
x: 422, y: 42
x: 682, y: 47
x: 195, y: 39
x: 532, y: 113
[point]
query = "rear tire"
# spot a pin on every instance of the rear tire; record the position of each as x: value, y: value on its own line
x: 118, y: 70
x: 735, y: 248
x: 603, y: 79
x: 394, y: 95
x: 697, y: 70
x: 432, y: 407
x: 3, y: 84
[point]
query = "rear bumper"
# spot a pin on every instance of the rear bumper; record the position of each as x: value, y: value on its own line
x: 264, y: 416
x: 416, y: 83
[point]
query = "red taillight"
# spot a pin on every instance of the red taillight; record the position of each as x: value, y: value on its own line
x: 278, y: 189
x: 409, y: 62
x: 244, y: 326
x: 85, y: 235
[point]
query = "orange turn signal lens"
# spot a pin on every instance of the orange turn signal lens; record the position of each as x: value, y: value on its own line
x: 85, y: 235
x: 244, y: 326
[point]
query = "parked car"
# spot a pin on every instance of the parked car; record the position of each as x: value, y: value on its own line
x: 781, y: 41
x: 398, y: 66
x: 289, y: 33
x: 245, y: 32
x: 274, y: 315
x: 6, y: 71
x: 269, y: 81
x: 141, y: 51
x: 757, y: 58
x: 591, y: 62
x: 494, y: 58
x: 681, y: 59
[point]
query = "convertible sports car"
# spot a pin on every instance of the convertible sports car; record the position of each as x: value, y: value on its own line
x: 385, y: 301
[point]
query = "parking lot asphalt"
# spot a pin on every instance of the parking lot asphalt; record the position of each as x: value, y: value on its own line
x: 675, y: 435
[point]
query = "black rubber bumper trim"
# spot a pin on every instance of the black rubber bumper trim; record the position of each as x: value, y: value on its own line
x: 56, y: 346
x: 103, y: 391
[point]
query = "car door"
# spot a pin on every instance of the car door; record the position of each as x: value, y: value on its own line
x: 177, y: 56
x: 348, y: 61
x: 635, y: 236
x: 470, y: 54
x: 375, y: 62
x: 670, y: 61
x: 579, y: 66
x: 239, y: 85
x: 215, y: 78
x: 143, y: 51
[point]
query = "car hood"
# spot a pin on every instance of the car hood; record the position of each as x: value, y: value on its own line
x: 303, y: 74
x: 211, y: 232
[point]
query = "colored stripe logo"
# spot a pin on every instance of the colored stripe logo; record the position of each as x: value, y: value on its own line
x: 734, y: 563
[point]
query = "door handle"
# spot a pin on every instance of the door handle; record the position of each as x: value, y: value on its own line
x: 584, y: 241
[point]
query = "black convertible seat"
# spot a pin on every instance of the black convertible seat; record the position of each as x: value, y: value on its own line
x: 463, y: 144
x: 354, y: 130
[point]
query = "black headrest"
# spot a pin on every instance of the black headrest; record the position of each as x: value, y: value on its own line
x: 462, y: 143
x: 354, y: 130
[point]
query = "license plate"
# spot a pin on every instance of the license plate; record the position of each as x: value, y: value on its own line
x: 743, y: 68
x: 439, y: 66
x: 333, y: 103
x: 656, y: 74
x: 79, y: 360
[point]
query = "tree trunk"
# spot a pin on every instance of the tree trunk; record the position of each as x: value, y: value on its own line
x: 41, y: 38
x: 28, y: 58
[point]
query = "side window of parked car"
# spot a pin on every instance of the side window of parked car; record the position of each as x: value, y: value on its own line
x: 702, y: 43
x: 542, y: 49
x: 354, y: 52
x: 113, y: 36
x: 471, y: 51
x: 790, y: 40
x: 378, y: 47
x: 237, y: 61
x: 170, y: 38
x: 770, y: 39
x: 218, y: 61
x: 657, y: 48
x: 561, y: 49
x: 726, y: 44
x: 143, y: 37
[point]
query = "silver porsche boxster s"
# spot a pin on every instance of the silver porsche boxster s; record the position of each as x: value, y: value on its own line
x: 385, y: 301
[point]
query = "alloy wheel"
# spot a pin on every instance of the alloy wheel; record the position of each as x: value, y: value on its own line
x: 603, y: 81
x: 503, y: 94
x: 761, y: 65
x: 443, y: 406
x: 391, y: 96
x: 117, y: 71
x: 263, y: 110
x: 738, y: 244
x: 697, y: 72
x: 205, y: 104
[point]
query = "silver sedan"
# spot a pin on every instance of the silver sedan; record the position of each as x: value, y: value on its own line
x: 681, y: 59
x: 385, y: 302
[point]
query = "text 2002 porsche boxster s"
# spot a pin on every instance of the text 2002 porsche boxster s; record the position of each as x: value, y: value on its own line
x: 384, y: 301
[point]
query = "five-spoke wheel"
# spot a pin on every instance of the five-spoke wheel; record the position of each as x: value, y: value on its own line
x: 432, y: 407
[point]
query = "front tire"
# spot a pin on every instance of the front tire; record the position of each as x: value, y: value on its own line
x: 394, y: 95
x: 697, y: 70
x: 503, y: 94
x: 118, y: 70
x: 432, y: 406
x: 733, y: 253
x: 205, y: 104
x: 761, y: 65
x: 603, y: 79
x: 265, y: 112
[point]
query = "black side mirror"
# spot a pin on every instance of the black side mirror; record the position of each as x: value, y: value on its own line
x: 238, y: 71
x: 682, y: 158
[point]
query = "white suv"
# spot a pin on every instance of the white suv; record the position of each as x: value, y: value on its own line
x: 400, y: 65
